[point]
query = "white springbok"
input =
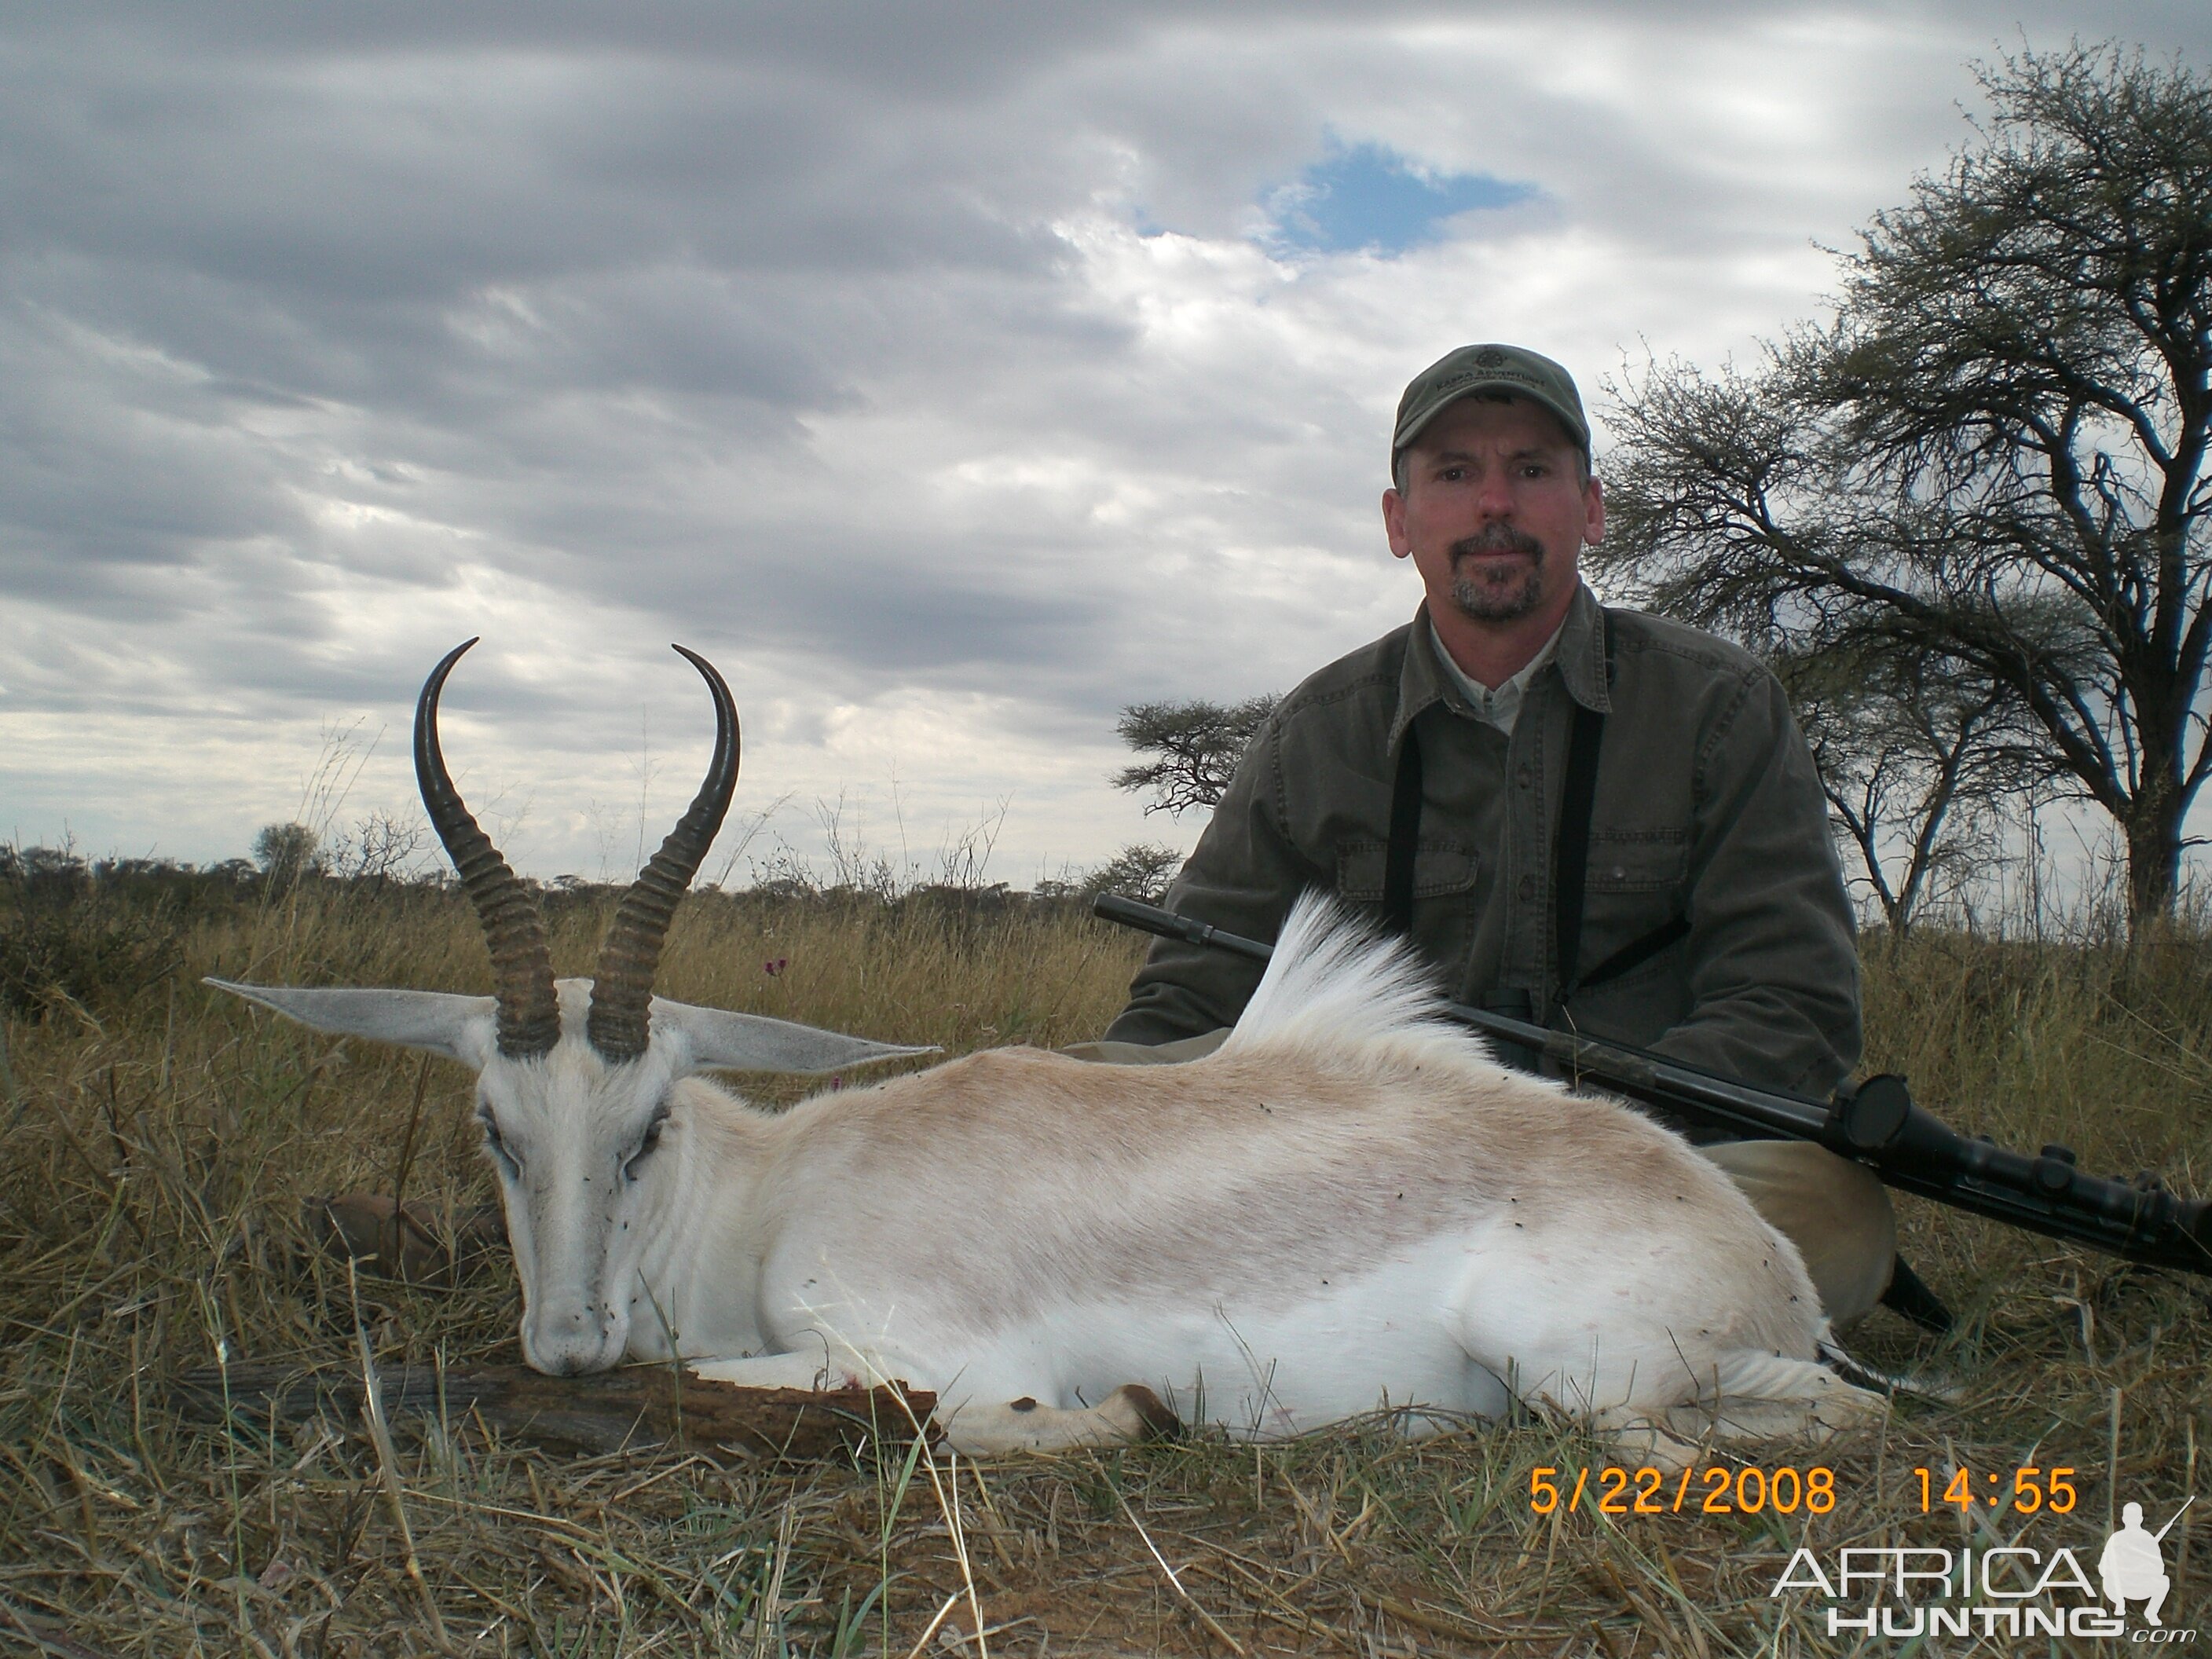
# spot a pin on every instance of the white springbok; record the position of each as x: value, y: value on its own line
x: 1350, y: 1206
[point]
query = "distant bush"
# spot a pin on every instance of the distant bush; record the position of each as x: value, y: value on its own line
x: 92, y: 935
x: 286, y: 851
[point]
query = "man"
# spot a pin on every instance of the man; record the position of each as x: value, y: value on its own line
x: 1428, y: 774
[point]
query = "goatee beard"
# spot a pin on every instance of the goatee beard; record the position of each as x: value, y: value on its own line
x: 1494, y: 602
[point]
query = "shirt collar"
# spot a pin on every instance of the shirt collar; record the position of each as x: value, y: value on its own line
x: 1499, y: 704
x: 1578, y: 648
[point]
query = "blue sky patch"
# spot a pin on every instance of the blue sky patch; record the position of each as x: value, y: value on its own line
x: 1368, y: 196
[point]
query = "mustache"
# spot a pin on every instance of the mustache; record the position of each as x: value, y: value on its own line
x: 1498, y: 538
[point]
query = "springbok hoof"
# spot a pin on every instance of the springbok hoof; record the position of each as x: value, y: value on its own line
x: 1148, y: 1414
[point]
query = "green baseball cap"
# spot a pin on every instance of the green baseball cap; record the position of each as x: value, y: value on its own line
x: 1476, y: 368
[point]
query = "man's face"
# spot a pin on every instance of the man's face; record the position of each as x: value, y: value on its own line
x: 1495, y: 510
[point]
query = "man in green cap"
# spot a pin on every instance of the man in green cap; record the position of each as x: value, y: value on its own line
x: 1587, y: 816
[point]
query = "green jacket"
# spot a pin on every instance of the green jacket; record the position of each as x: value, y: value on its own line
x: 1707, y: 807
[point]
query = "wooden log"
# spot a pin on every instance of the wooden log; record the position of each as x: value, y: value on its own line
x: 638, y: 1407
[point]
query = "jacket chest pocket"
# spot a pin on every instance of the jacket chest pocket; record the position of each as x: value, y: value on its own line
x: 1645, y: 861
x: 1440, y: 866
x: 1633, y: 886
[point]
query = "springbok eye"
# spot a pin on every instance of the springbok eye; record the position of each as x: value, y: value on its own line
x: 647, y: 1143
x: 509, y: 1163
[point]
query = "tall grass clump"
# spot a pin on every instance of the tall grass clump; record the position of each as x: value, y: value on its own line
x: 162, y: 1141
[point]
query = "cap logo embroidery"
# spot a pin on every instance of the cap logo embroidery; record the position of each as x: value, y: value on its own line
x: 1490, y: 356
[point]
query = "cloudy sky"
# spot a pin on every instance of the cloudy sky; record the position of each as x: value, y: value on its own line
x: 950, y: 375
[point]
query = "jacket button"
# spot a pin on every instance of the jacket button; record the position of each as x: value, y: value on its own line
x: 1525, y: 776
x: 1528, y: 887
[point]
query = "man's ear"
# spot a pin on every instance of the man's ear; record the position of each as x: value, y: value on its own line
x: 721, y: 1041
x: 1393, y: 523
x: 436, y: 1022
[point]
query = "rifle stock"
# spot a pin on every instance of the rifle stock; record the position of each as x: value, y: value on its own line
x: 1875, y: 1122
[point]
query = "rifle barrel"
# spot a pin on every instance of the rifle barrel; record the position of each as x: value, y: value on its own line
x: 2160, y: 1535
x: 1876, y: 1123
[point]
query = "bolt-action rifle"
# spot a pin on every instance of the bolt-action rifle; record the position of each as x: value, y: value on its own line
x: 1875, y: 1123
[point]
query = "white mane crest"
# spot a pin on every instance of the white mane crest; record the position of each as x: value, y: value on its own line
x: 1336, y: 985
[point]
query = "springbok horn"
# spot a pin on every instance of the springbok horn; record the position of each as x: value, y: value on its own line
x: 521, y: 967
x: 622, y: 992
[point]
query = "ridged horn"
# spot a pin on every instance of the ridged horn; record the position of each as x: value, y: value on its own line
x: 622, y: 992
x: 521, y: 967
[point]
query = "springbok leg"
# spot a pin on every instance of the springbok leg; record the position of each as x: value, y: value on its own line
x: 1130, y: 1414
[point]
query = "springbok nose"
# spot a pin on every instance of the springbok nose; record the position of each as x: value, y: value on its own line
x: 570, y: 1341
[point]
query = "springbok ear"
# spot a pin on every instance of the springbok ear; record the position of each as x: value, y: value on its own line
x: 721, y: 1041
x: 454, y: 1027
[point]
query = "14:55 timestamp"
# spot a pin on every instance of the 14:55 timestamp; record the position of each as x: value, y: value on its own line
x: 2030, y: 1489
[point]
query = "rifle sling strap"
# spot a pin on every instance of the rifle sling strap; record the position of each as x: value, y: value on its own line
x: 1569, y: 853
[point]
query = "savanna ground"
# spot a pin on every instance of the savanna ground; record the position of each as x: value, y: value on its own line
x: 161, y: 1140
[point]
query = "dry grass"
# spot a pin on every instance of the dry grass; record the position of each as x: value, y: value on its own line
x: 158, y: 1154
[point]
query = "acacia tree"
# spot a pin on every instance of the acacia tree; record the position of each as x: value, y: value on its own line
x: 1140, y: 871
x: 1195, y: 747
x: 1994, y: 460
x: 1192, y: 749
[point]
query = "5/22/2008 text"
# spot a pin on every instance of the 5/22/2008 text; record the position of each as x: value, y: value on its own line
x: 1750, y: 1489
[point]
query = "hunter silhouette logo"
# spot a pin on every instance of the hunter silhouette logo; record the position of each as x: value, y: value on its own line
x: 2013, y: 1589
x: 2133, y: 1568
